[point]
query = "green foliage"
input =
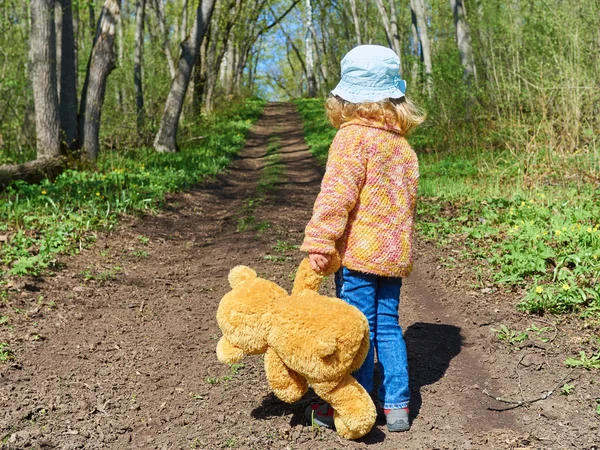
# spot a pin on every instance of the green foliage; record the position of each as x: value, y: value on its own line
x: 566, y: 389
x: 318, y: 132
x: 508, y: 335
x: 52, y: 218
x: 6, y: 353
x: 593, y: 362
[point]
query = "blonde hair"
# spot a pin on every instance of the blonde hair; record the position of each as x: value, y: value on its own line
x: 400, y: 113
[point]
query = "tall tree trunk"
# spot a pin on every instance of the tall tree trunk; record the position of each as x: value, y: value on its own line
x: 166, y: 139
x: 138, y: 61
x: 415, y: 44
x: 394, y: 28
x: 121, y: 58
x: 43, y: 65
x: 309, y: 52
x: 58, y: 25
x: 200, y: 76
x: 183, y: 26
x: 419, y: 7
x: 165, y: 37
x: 356, y: 21
x: 100, y: 65
x: 393, y: 39
x: 67, y: 77
x: 463, y: 40
x: 92, y: 14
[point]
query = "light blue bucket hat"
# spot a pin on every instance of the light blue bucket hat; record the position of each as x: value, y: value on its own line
x: 370, y: 73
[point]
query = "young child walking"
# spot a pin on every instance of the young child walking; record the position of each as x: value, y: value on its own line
x: 366, y: 211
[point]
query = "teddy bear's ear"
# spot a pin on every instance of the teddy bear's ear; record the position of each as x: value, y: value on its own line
x: 240, y: 274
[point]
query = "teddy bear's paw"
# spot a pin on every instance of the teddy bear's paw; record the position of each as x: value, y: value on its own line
x: 352, y: 427
x: 239, y: 274
x: 228, y: 353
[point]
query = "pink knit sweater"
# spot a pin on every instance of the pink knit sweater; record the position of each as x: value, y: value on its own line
x: 366, y: 207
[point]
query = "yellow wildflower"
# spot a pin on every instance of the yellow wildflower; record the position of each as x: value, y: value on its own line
x: 43, y: 192
x: 97, y: 194
x: 566, y: 287
x: 539, y: 289
x: 557, y: 232
x: 589, y: 230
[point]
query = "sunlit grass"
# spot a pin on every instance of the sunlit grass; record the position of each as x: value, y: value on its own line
x: 39, y: 222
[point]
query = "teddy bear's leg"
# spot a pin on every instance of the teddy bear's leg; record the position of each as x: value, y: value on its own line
x: 355, y: 412
x: 287, y: 384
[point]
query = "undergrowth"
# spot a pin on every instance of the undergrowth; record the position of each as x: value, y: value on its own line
x: 40, y: 222
x: 535, y: 227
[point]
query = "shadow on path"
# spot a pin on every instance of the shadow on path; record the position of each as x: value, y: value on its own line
x: 430, y: 349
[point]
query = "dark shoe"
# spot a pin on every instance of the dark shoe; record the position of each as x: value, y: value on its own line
x: 320, y: 415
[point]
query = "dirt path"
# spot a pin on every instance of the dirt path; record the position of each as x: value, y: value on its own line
x: 119, y: 351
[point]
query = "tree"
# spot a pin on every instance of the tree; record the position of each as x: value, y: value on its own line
x: 100, y: 65
x: 68, y: 76
x: 166, y: 139
x: 137, y: 63
x: 43, y: 71
x: 418, y: 9
x: 463, y: 40
x: 390, y: 25
x: 309, y: 52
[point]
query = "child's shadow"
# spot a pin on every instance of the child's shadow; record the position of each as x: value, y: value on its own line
x: 430, y: 348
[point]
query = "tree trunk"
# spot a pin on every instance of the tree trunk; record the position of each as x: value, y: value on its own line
x: 137, y: 63
x: 121, y: 57
x: 100, y: 65
x: 183, y: 26
x: 415, y: 44
x: 58, y: 25
x: 387, y: 20
x: 463, y: 40
x: 68, y: 78
x: 43, y: 65
x: 308, y: 49
x: 419, y: 8
x: 356, y: 22
x: 166, y: 139
x: 200, y: 77
x: 394, y: 28
x: 32, y: 171
x: 165, y: 37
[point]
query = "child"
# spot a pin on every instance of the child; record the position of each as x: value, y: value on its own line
x: 366, y: 211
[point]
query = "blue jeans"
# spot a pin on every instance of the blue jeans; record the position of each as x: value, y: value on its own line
x: 378, y: 299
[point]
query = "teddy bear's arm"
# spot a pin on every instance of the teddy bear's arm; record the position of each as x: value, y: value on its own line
x: 228, y: 353
x: 287, y: 384
x: 354, y: 411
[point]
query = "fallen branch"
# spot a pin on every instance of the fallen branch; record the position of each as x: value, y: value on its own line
x: 32, y: 171
x: 517, y: 403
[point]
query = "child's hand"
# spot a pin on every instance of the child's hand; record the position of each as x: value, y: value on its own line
x: 319, y: 261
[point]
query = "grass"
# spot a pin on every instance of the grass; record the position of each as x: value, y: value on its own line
x: 41, y: 222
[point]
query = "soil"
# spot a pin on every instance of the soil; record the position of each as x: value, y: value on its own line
x: 118, y: 349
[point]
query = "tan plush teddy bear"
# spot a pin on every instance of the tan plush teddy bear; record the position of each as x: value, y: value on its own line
x: 307, y: 338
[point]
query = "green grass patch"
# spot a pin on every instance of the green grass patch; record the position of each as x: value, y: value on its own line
x: 40, y: 222
x: 318, y: 132
x: 527, y: 225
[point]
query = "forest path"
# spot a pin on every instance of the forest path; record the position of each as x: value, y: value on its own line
x: 125, y: 358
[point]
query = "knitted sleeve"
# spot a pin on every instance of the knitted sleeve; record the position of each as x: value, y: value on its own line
x: 340, y: 189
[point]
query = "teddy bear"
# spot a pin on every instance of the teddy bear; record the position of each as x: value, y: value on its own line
x: 307, y: 339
